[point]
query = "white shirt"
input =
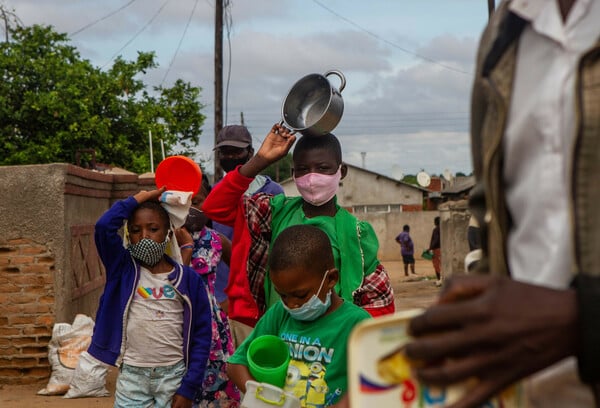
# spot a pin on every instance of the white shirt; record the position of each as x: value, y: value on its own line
x: 539, y: 138
x: 537, y: 170
x: 154, y: 323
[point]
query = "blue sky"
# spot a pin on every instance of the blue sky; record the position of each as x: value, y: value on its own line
x: 408, y: 64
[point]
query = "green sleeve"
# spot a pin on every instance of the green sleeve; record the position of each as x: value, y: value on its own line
x: 370, y: 245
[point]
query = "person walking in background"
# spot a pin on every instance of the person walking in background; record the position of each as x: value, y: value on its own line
x: 234, y: 148
x: 531, y: 311
x: 435, y: 249
x: 407, y: 249
x: 203, y: 248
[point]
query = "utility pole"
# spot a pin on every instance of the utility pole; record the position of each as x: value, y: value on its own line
x: 218, y: 79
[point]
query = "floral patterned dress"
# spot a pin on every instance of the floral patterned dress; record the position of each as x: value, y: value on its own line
x: 217, y: 389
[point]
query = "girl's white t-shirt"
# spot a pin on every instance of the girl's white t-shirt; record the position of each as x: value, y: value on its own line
x: 154, y: 323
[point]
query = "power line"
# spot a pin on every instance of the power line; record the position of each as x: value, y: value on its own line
x: 138, y: 33
x: 180, y: 41
x: 372, y: 34
x: 112, y: 13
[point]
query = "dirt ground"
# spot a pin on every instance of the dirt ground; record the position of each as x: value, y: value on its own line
x: 414, y: 291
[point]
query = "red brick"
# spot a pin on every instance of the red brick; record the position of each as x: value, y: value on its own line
x: 17, y: 320
x: 7, y: 249
x: 10, y: 269
x: 38, y: 292
x: 9, y: 373
x: 33, y: 250
x: 22, y: 341
x: 45, y: 260
x: 45, y: 320
x: 27, y: 362
x: 22, y: 298
x: 9, y: 352
x: 27, y: 279
x: 39, y: 372
x: 36, y: 269
x: 21, y: 259
x: 48, y: 279
x: 9, y: 331
x: 8, y: 287
x: 49, y: 300
x: 5, y: 298
x: 9, y: 309
x: 18, y: 241
x: 41, y: 331
x: 37, y: 308
x: 44, y: 339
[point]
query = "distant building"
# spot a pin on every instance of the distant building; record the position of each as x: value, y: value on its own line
x: 458, y: 188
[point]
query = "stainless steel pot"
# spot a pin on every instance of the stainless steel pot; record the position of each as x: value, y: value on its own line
x: 313, y: 106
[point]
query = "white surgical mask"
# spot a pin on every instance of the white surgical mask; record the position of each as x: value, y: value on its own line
x: 313, y: 308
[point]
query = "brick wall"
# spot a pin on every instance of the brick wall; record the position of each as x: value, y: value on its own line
x: 26, y: 310
x: 49, y: 268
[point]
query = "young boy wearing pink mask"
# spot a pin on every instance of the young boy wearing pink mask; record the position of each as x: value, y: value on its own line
x: 259, y: 219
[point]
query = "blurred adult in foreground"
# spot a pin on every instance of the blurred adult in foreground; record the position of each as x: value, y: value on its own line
x: 536, y: 151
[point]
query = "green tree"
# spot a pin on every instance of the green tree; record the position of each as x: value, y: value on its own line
x: 410, y: 179
x: 53, y: 103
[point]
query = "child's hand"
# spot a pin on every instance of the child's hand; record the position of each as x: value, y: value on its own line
x: 277, y: 144
x: 149, y: 195
x: 179, y: 401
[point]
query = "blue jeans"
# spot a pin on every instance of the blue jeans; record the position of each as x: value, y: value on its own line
x: 140, y: 387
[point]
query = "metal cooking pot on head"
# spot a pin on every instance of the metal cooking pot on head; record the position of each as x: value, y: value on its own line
x: 313, y: 106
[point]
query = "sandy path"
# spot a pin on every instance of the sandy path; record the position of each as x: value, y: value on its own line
x: 410, y: 292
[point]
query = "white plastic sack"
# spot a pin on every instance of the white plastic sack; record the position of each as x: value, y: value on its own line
x: 89, y: 379
x: 67, y: 343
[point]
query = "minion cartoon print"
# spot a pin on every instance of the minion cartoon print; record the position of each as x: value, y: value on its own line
x: 306, y: 375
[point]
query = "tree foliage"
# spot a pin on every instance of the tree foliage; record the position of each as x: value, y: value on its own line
x: 53, y: 104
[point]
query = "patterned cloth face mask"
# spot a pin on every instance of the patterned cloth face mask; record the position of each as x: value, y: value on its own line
x: 314, y: 308
x: 148, y: 251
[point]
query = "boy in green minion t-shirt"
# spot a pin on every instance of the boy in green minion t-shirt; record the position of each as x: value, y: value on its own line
x: 311, y: 318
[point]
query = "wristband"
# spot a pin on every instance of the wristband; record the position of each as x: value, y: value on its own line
x: 187, y: 246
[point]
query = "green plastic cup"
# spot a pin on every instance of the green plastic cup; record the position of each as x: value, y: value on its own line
x: 268, y: 359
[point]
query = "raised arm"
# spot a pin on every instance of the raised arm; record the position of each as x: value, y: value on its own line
x: 223, y: 202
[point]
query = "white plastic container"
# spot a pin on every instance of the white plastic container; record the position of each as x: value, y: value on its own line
x: 263, y: 395
x: 379, y: 375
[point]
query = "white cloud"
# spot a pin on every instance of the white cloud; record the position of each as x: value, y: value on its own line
x: 402, y: 110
